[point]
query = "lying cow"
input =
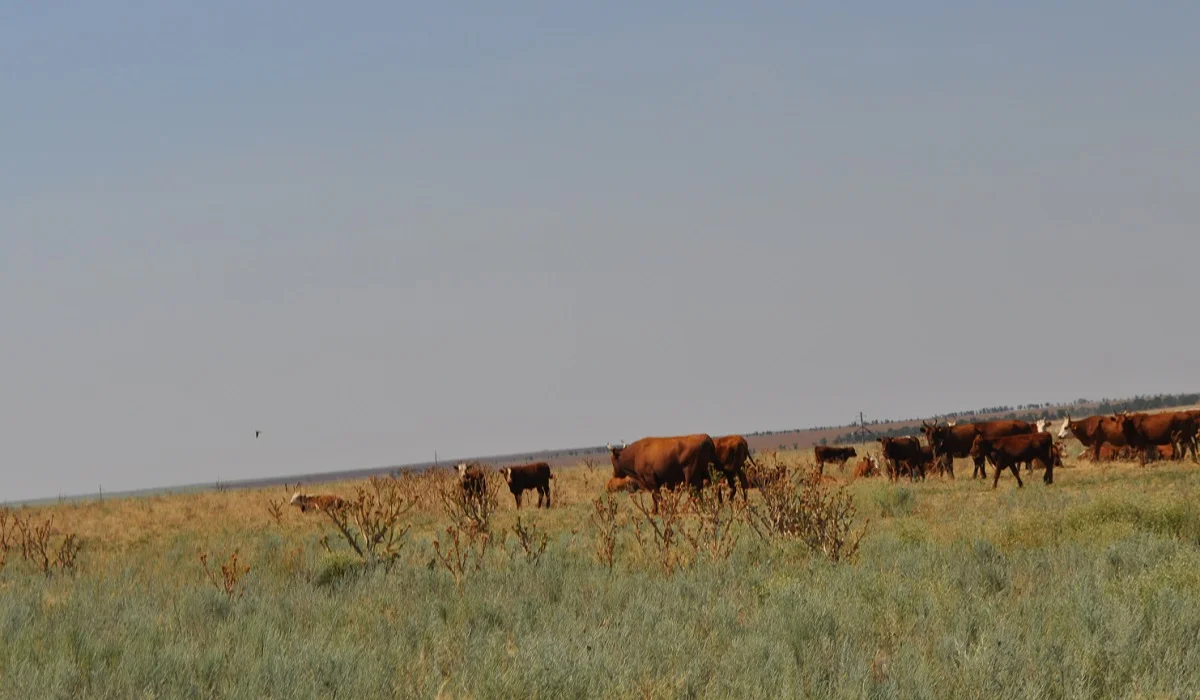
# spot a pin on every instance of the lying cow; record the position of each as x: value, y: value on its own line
x: 325, y: 503
x: 621, y: 483
x: 527, y: 477
x: 867, y: 466
x: 1010, y: 452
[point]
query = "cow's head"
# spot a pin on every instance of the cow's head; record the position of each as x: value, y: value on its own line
x: 299, y: 499
x: 1040, y: 424
x: 928, y: 428
x: 506, y: 472
x: 615, y: 452
x: 1062, y: 432
x: 980, y: 447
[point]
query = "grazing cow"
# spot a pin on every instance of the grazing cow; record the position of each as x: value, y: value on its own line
x: 1144, y: 431
x: 655, y: 462
x: 903, y: 454
x: 525, y: 477
x: 324, y: 503
x: 950, y: 441
x: 732, y: 454
x: 835, y: 455
x: 1010, y: 451
x: 621, y: 483
x: 867, y: 466
x: 472, y: 479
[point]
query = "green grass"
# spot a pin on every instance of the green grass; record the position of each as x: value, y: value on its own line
x: 1089, y: 588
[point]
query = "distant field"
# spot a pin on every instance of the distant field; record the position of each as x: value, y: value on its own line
x: 1088, y: 588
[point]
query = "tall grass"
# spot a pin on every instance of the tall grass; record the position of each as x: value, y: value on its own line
x: 1088, y: 588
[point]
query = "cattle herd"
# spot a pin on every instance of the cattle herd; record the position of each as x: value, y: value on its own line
x: 653, y: 463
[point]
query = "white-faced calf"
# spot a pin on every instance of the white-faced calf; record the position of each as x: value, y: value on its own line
x: 529, y: 476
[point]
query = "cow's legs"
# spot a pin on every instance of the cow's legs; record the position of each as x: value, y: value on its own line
x: 517, y: 496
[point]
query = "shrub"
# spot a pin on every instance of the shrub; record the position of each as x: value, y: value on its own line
x: 803, y: 507
x: 232, y: 578
x: 370, y: 521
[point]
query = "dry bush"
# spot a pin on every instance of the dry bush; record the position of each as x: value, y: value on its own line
x: 232, y: 579
x: 604, y: 518
x: 370, y: 520
x: 658, y: 534
x: 37, y: 542
x: 461, y: 549
x: 713, y: 534
x: 799, y: 505
x: 470, y: 510
x: 275, y: 509
x: 531, y: 542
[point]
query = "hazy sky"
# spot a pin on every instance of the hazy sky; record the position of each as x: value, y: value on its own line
x: 377, y: 232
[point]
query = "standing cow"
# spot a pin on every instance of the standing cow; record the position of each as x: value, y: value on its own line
x: 655, y: 462
x: 525, y: 477
x: 835, y: 455
x: 732, y: 454
x: 950, y: 441
x: 1144, y: 431
x: 1011, y: 451
x: 903, y: 454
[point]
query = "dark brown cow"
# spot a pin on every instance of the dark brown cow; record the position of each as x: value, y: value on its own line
x: 732, y: 454
x: 1011, y: 451
x: 325, y: 503
x: 655, y: 462
x: 1144, y: 431
x: 472, y: 479
x: 833, y: 455
x: 903, y: 454
x: 950, y: 441
x: 525, y: 477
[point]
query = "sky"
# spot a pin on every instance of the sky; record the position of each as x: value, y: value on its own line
x: 377, y: 231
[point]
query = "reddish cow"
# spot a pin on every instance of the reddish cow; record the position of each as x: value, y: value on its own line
x: 834, y: 455
x: 951, y: 441
x: 655, y: 462
x: 1093, y: 433
x: 525, y: 477
x: 1009, y: 452
x: 621, y: 483
x: 1144, y: 431
x: 867, y: 466
x: 325, y: 503
x: 732, y: 454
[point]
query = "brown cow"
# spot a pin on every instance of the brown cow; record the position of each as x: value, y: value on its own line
x: 1009, y: 452
x: 732, y: 454
x: 950, y: 441
x: 655, y: 462
x: 867, y: 466
x: 524, y: 477
x: 472, y: 479
x: 1144, y: 431
x: 835, y: 455
x: 1093, y: 433
x: 903, y: 454
x: 325, y: 503
x: 621, y: 483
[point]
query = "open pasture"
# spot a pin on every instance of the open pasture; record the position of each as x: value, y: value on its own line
x: 1087, y: 588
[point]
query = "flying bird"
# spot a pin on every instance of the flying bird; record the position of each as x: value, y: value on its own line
x: 257, y: 433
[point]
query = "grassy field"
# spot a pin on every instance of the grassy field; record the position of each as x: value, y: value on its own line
x: 1088, y: 588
